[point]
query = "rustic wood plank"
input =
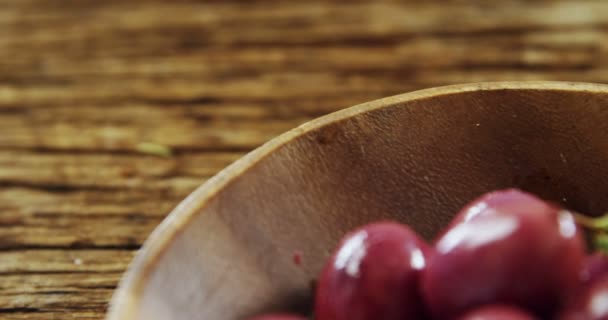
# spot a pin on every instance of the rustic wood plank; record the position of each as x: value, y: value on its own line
x: 50, y: 292
x: 73, y: 314
x: 41, y: 262
x: 288, y: 22
x: 108, y: 171
x: 53, y: 284
x: 541, y: 48
x: 28, y: 133
x: 60, y: 199
x: 54, y: 200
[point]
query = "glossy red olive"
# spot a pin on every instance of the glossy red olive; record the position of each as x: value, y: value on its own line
x: 596, y: 266
x: 373, y: 275
x: 497, y: 312
x: 507, y: 247
x: 589, y: 304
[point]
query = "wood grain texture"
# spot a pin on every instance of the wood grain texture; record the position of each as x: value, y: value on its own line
x: 83, y: 83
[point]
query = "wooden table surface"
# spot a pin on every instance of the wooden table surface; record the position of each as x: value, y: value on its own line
x: 95, y: 94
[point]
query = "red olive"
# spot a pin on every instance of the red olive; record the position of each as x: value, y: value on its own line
x: 507, y: 247
x: 596, y: 266
x: 589, y: 304
x: 374, y: 274
x: 497, y: 312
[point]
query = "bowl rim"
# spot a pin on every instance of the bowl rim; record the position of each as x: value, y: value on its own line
x: 123, y: 304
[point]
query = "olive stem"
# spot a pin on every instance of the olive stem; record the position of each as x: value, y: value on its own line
x: 594, y: 223
x: 601, y: 241
x: 598, y: 226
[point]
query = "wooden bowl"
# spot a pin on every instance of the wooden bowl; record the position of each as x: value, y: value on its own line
x: 226, y: 252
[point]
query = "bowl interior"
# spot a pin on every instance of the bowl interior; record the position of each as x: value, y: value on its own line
x: 227, y: 251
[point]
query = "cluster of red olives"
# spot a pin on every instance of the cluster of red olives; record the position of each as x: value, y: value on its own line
x: 508, y: 255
